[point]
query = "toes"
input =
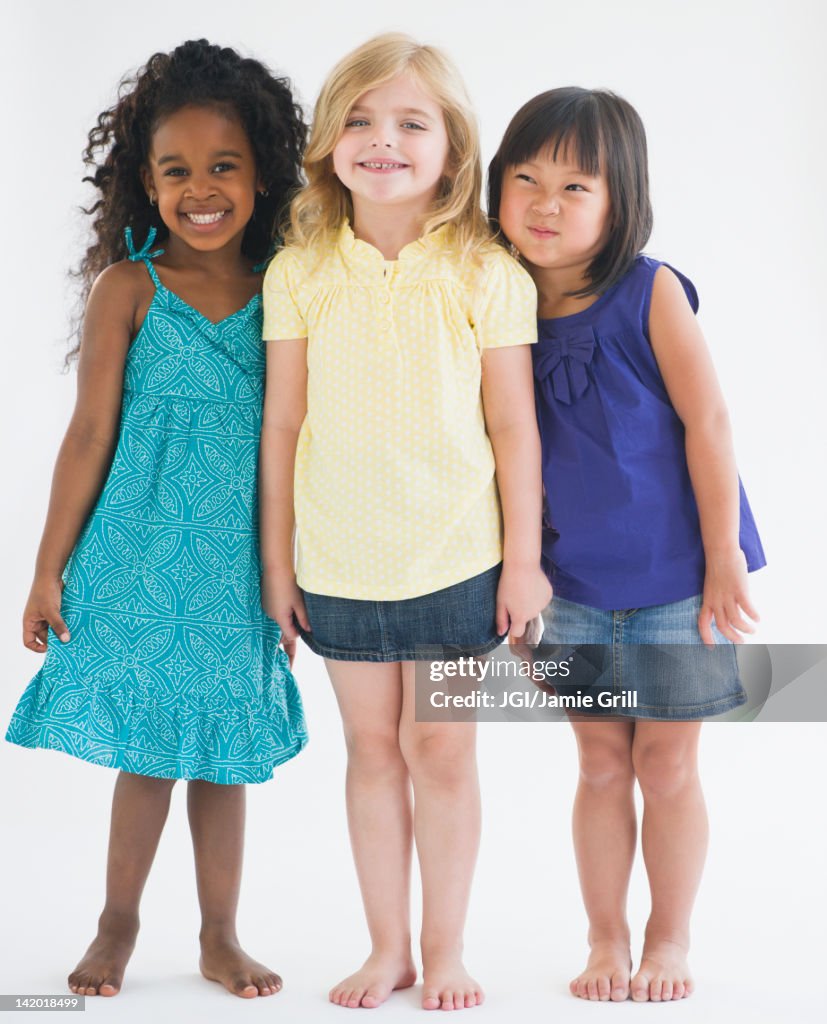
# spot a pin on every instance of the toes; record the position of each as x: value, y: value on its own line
x: 654, y: 990
x: 620, y: 989
x: 430, y: 1000
x: 245, y: 988
x: 678, y: 990
x: 110, y: 986
x: 666, y: 991
x: 640, y: 989
x: 372, y: 998
x: 604, y: 988
x: 591, y: 989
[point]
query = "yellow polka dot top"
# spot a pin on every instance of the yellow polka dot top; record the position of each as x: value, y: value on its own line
x: 395, y: 494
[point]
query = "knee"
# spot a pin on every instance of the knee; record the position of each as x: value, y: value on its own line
x: 605, y: 765
x: 444, y: 757
x: 663, y: 770
x: 373, y: 751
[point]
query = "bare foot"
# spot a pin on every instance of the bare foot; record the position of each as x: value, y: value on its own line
x: 448, y: 986
x: 607, y: 973
x: 371, y: 985
x: 224, y: 961
x: 100, y: 972
x: 663, y: 973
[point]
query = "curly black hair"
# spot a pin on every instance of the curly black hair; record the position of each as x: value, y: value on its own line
x: 195, y: 73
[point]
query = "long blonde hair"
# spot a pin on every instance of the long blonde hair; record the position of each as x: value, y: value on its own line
x: 321, y: 207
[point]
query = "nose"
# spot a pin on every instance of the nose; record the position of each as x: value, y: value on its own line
x: 546, y: 205
x: 200, y: 186
x: 382, y: 135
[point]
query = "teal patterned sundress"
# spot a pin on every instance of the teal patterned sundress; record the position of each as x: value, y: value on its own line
x: 173, y: 669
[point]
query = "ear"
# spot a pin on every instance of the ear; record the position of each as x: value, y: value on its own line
x: 146, y: 181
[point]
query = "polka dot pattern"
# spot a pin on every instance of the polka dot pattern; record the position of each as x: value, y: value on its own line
x: 394, y: 486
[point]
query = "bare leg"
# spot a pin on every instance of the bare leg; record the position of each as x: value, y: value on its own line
x: 216, y: 815
x: 380, y: 821
x: 675, y: 833
x: 441, y: 758
x: 605, y: 832
x: 140, y: 805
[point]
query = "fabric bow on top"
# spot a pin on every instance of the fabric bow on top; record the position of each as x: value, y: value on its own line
x: 560, y: 364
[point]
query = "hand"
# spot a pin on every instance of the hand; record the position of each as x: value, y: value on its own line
x: 525, y: 645
x: 43, y: 610
x: 282, y: 601
x: 726, y: 599
x: 522, y: 594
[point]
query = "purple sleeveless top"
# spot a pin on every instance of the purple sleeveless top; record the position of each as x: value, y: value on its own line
x: 621, y: 527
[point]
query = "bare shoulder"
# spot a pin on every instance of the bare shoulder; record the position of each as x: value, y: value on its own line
x: 667, y: 290
x: 121, y: 282
x: 118, y: 295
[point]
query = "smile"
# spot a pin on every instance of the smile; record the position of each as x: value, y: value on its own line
x: 382, y: 165
x: 205, y: 218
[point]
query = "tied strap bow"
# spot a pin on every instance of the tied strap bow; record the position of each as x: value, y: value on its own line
x: 560, y: 364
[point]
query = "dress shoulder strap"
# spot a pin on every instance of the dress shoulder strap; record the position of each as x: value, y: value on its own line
x: 144, y: 253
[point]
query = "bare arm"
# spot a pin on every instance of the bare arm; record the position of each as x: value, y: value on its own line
x: 285, y: 407
x: 687, y: 370
x: 85, y: 455
x: 511, y: 422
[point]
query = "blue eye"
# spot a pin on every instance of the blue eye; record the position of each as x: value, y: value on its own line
x: 413, y: 124
x: 357, y: 122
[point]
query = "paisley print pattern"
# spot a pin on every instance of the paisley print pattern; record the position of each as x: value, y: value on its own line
x: 173, y: 669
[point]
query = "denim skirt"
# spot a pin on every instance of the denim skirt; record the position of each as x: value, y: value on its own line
x: 655, y: 654
x: 458, y: 621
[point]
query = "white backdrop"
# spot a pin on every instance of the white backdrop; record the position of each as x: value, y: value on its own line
x: 731, y: 94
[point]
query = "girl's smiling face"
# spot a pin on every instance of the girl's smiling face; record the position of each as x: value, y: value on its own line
x: 394, y: 146
x: 201, y: 171
x: 557, y: 216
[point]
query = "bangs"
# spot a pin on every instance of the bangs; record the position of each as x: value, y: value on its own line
x: 571, y: 133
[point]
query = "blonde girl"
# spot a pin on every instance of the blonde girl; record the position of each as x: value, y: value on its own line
x: 399, y: 404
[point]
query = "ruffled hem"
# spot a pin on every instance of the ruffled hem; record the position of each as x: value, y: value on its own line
x: 127, y: 757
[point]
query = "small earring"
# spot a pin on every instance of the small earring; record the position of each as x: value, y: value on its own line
x: 263, y: 193
x: 515, y: 252
x: 153, y: 198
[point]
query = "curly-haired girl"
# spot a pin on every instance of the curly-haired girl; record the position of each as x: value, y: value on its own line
x: 160, y: 660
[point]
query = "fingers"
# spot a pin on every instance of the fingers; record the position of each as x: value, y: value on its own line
x: 59, y: 626
x: 300, y: 612
x: 705, y: 625
x: 502, y: 619
x: 728, y: 621
x: 289, y: 649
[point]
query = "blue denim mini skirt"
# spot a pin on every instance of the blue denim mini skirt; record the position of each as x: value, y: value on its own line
x: 458, y: 621
x: 655, y: 653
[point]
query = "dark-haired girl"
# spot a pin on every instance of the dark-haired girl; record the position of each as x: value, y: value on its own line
x: 160, y: 661
x: 648, y: 536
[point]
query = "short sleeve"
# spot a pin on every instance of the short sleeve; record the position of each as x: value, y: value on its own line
x: 504, y: 306
x: 283, y: 314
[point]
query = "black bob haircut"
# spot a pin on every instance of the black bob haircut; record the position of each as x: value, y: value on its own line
x: 603, y: 135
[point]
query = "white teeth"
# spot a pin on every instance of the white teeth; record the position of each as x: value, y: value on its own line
x: 380, y: 166
x: 206, y: 218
